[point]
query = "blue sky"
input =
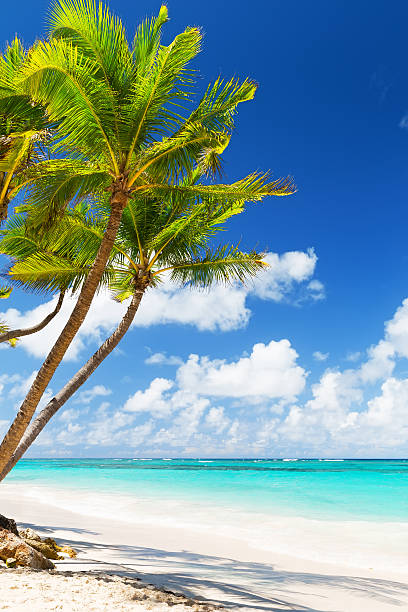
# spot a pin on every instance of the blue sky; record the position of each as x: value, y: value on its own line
x: 328, y: 375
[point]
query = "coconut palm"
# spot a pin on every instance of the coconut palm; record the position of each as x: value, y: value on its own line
x: 126, y: 125
x: 24, y: 128
x: 158, y: 238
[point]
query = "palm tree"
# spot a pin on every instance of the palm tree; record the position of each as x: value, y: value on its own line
x: 123, y: 120
x: 24, y: 128
x: 157, y: 238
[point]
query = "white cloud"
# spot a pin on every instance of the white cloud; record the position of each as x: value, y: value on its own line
x: 318, y: 356
x: 360, y: 410
x: 69, y: 435
x: 396, y: 330
x: 316, y: 290
x: 380, y: 362
x: 385, y: 421
x: 270, y: 371
x: 163, y: 359
x: 278, y: 280
x: 216, y: 419
x: 353, y: 356
x: 69, y: 415
x: 86, y: 397
x: 221, y: 309
x: 152, y: 400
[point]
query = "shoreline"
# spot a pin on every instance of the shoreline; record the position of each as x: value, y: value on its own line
x: 221, y: 569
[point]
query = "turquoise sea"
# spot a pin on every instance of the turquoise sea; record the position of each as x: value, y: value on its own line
x: 340, y: 490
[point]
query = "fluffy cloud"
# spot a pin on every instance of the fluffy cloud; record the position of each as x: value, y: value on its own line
x: 86, y: 397
x: 283, y: 271
x: 222, y: 308
x: 217, y: 420
x: 318, y: 356
x: 269, y: 372
x: 163, y: 359
x: 153, y: 400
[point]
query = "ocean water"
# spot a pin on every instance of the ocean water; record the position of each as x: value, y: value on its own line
x: 318, y: 489
x: 352, y: 512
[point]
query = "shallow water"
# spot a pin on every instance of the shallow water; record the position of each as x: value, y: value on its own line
x: 330, y: 490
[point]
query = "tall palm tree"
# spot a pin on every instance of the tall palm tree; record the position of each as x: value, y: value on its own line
x: 123, y: 118
x: 170, y: 237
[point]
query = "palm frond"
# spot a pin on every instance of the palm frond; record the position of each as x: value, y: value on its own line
x: 5, y: 292
x: 57, y: 76
x: 47, y: 273
x: 217, y: 107
x: 99, y: 35
x: 147, y: 40
x: 223, y: 265
x: 169, y: 160
x: 148, y: 114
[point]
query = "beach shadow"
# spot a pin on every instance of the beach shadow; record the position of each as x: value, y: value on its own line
x: 231, y: 583
x: 50, y: 529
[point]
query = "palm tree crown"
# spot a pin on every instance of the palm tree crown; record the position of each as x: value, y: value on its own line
x: 171, y: 237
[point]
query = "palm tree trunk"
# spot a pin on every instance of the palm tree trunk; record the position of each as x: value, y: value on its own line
x: 75, y: 383
x: 19, y: 333
x: 118, y: 201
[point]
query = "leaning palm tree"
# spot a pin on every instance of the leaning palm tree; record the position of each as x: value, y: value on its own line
x: 125, y: 122
x: 167, y: 238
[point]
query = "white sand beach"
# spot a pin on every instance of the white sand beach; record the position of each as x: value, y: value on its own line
x: 221, y: 569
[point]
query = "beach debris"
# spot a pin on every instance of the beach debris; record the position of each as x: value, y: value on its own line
x: 12, y: 546
x: 29, y: 534
x: 9, y: 524
x: 11, y: 562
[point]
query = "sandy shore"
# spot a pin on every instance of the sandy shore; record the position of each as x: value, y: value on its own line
x: 219, y: 569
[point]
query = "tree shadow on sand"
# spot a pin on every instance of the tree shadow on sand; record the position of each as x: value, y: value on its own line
x: 234, y: 584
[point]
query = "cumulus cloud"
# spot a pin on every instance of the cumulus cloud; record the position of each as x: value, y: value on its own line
x: 284, y: 272
x: 217, y: 420
x: 270, y: 371
x: 153, y: 399
x: 221, y: 309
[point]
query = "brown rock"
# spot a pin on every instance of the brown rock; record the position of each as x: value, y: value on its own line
x: 52, y: 543
x: 44, y: 549
x: 13, y: 546
x: 66, y: 549
x: 70, y: 551
x: 29, y: 534
x: 11, y: 562
x: 9, y: 524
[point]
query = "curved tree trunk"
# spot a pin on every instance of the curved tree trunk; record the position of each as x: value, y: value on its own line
x: 73, y: 385
x: 19, y: 333
x: 118, y: 201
